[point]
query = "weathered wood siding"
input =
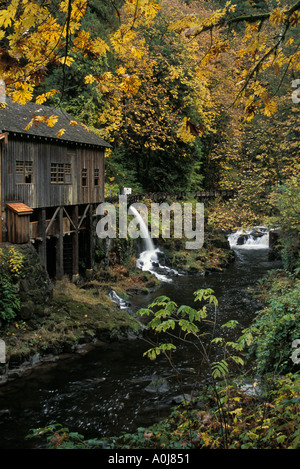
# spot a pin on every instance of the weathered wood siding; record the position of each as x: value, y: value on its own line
x: 41, y: 192
x: 17, y: 228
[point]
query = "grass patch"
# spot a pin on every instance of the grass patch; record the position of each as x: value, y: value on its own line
x: 75, y: 315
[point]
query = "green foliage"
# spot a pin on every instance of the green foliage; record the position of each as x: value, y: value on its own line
x: 286, y: 202
x: 9, y: 301
x: 184, y: 321
x: 11, y: 263
x: 185, y: 324
x: 266, y: 419
x: 59, y: 437
x: 278, y: 324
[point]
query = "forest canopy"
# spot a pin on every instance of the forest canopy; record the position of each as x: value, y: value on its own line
x: 191, y: 94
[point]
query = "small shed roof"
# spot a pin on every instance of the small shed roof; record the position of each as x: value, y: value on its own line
x: 15, y: 117
x: 19, y: 208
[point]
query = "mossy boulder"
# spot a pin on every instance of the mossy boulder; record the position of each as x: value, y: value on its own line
x: 34, y: 287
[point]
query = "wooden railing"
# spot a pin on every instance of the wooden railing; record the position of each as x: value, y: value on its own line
x: 161, y: 196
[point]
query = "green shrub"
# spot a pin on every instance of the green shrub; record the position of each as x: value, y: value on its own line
x: 11, y: 264
x: 278, y: 324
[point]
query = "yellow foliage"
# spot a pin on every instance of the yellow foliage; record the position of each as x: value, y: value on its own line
x: 51, y: 121
x: 184, y: 132
x: 89, y: 79
x: 277, y: 17
x: 130, y: 84
x: 66, y: 60
x: 60, y: 133
x: 270, y: 108
x: 43, y: 97
x: 99, y: 47
x: 295, y: 19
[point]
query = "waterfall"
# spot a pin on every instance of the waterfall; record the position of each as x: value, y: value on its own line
x: 149, y: 246
x: 149, y: 257
x: 117, y: 299
x: 254, y: 238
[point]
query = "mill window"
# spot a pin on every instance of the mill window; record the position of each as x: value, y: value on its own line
x: 60, y: 173
x: 24, y: 172
x: 96, y: 177
x: 84, y: 178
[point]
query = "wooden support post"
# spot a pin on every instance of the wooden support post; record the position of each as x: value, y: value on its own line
x: 42, y: 246
x: 52, y: 219
x: 91, y: 247
x: 60, y: 246
x: 75, y: 241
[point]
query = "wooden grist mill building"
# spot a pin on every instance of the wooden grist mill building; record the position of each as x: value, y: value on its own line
x: 50, y: 187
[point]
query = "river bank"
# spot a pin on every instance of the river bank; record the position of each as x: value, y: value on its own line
x: 76, y: 318
x: 57, y: 318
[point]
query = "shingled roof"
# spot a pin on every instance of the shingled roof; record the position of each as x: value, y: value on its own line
x: 15, y: 117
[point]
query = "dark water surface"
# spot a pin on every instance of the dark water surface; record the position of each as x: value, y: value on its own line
x: 106, y: 391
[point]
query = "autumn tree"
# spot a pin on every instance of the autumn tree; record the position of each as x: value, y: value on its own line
x: 33, y: 35
x: 157, y: 105
x: 268, y: 43
x: 77, y: 97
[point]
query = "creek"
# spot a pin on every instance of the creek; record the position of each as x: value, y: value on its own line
x: 109, y: 390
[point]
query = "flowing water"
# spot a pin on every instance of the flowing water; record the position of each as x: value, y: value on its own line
x: 112, y: 388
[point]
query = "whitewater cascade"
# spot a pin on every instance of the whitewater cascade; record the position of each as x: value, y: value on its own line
x: 149, y: 257
x: 254, y: 238
x: 115, y: 298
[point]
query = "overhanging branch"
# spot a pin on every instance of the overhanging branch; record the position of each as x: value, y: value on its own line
x: 253, y: 18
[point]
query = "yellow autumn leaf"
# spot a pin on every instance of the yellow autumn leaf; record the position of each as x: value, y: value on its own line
x: 295, y: 19
x: 36, y: 120
x: 60, y: 133
x: 174, y: 73
x: 99, y: 47
x: 51, y: 121
x: 89, y: 79
x: 5, y: 19
x: 121, y: 71
x: 206, y: 438
x: 270, y: 108
x: 82, y: 41
x: 44, y: 96
x: 84, y: 126
x: 29, y: 125
x: 7, y: 16
x: 22, y: 96
x: 78, y: 9
x: 137, y: 53
x: 289, y: 41
x: 277, y: 17
x: 66, y: 61
x: 130, y: 84
x: 184, y: 133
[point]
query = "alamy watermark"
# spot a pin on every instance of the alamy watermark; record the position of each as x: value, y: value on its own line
x: 295, y: 97
x: 187, y: 220
x: 2, y: 351
x: 296, y: 353
x: 2, y: 92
